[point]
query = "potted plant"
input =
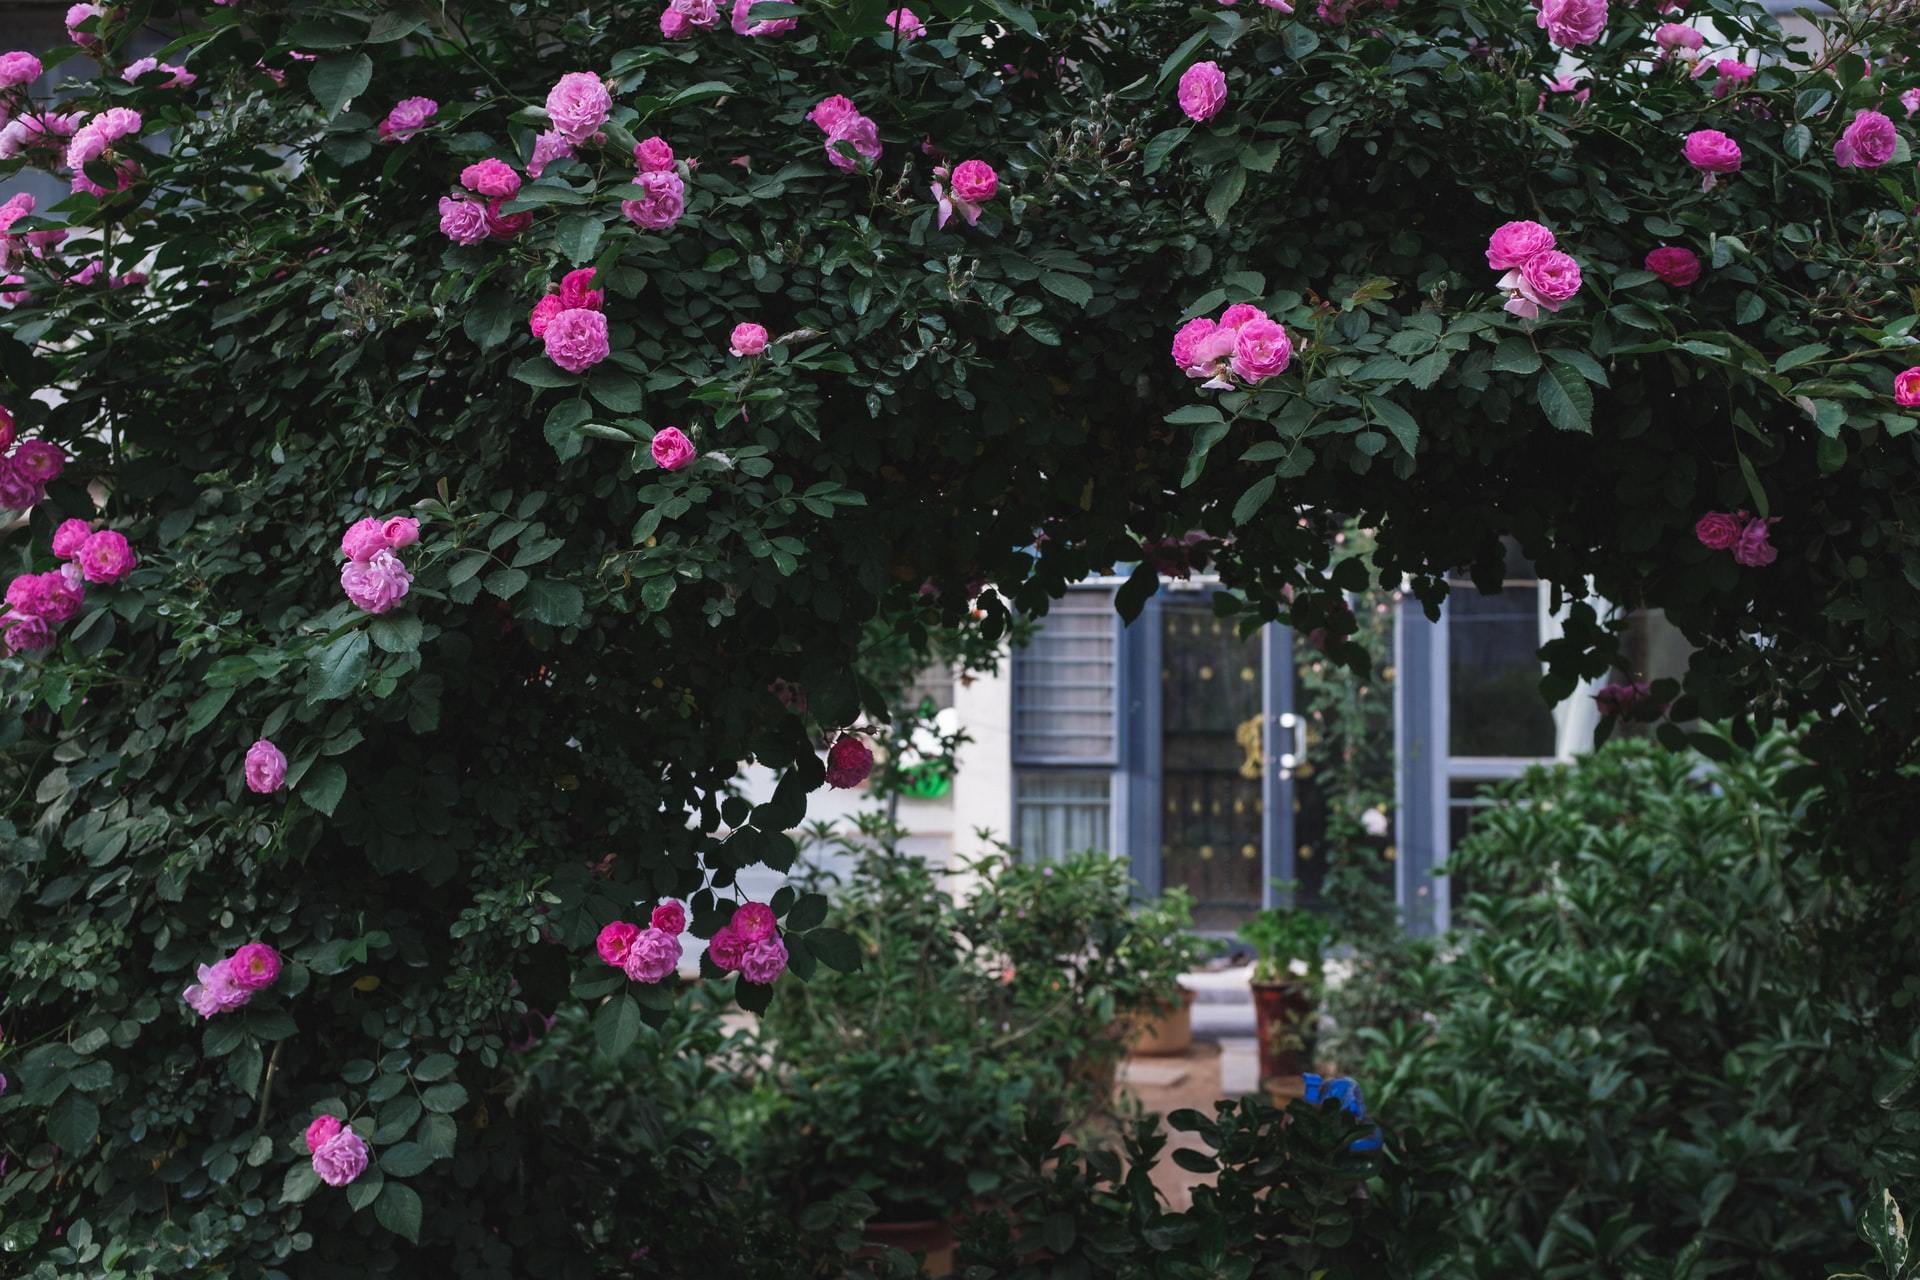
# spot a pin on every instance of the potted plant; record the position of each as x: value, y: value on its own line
x: 1160, y: 946
x: 1288, y: 944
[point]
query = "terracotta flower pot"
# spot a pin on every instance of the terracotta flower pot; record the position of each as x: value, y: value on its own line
x: 1163, y: 1030
x: 1281, y: 1011
x: 929, y: 1236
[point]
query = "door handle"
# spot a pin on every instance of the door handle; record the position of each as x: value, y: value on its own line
x: 1291, y: 760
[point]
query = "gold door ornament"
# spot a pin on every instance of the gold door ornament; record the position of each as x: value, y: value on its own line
x: 1251, y: 741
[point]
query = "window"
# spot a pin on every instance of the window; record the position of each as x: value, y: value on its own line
x: 1494, y: 707
x: 1066, y: 728
x: 1057, y: 813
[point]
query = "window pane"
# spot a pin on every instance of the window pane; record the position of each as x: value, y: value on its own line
x: 1056, y: 814
x: 1493, y: 674
x: 1064, y: 683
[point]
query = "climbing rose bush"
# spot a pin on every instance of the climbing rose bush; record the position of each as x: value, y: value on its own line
x: 509, y: 426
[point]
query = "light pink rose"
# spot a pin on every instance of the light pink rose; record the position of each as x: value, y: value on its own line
x: 105, y: 557
x: 744, y: 24
x: 216, y: 991
x: 67, y: 539
x: 322, y: 1129
x: 78, y: 14
x: 653, y: 154
x: 654, y: 955
x: 1241, y: 313
x: 408, y: 117
x: 578, y: 105
x: 45, y: 132
x: 23, y: 634
x: 615, y: 940
x: 1261, y: 349
x: 341, y: 1158
x: 726, y: 947
x: 377, y: 585
x: 748, y: 339
x: 1675, y: 266
x: 704, y: 14
x: 1186, y: 342
x: 543, y: 313
x: 906, y: 24
x: 180, y: 77
x: 858, y: 132
x: 849, y: 761
x: 671, y: 449
x: 401, y: 531
x: 1867, y: 143
x: 1906, y: 388
x: 1203, y: 90
x: 17, y: 69
x: 1543, y: 281
x: 254, y: 966
x: 1751, y: 548
x: 363, y: 540
x: 266, y: 768
x: 1677, y: 37
x: 547, y: 148
x: 664, y: 203
x: 1712, y: 153
x: 1514, y: 242
x: 764, y: 961
x: 670, y: 918
x: 1572, y: 23
x: 491, y: 177
x: 463, y: 220
x: 674, y: 24
x: 576, y: 339
x: 1729, y: 75
x: 1910, y: 100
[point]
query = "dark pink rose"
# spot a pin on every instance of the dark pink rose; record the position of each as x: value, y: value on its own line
x: 671, y: 449
x: 1717, y: 530
x: 1675, y: 266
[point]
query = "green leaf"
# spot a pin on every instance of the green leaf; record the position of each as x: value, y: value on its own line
x: 1515, y: 355
x: 437, y: 1066
x: 1072, y: 288
x: 1209, y: 435
x: 538, y: 371
x: 809, y: 911
x: 562, y: 430
x: 338, y: 78
x: 1177, y: 60
x: 1226, y: 193
x: 206, y: 708
x: 558, y: 604
x: 1397, y: 420
x: 404, y: 1159
x: 1427, y: 369
x: 505, y: 583
x: 489, y: 318
x: 617, y: 1025
x: 444, y: 1098
x: 337, y: 668
x: 398, y: 1210
x: 1584, y: 364
x: 1162, y: 146
x: 323, y: 786
x: 72, y: 1123
x: 1798, y: 356
x: 301, y: 1181
x: 578, y: 236
x: 1566, y: 398
x: 396, y: 632
x: 1254, y: 498
x: 616, y: 389
x: 835, y: 948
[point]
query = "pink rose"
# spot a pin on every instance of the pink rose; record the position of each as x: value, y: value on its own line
x: 654, y: 154
x: 1543, y: 281
x: 1186, y: 343
x: 1867, y: 143
x: 974, y: 181
x: 615, y: 940
x: 17, y: 69
x: 6, y: 428
x: 1752, y: 548
x: 363, y: 540
x: 654, y: 955
x: 80, y: 13
x: 1674, y: 37
x: 543, y: 313
x: 179, y: 77
x: 408, y: 117
x: 216, y: 991
x: 1203, y: 90
x: 1910, y: 100
x: 906, y: 24
x: 661, y: 207
x: 21, y: 633
x: 1906, y: 388
x: 698, y: 13
x: 752, y: 921
x: 491, y: 177
x: 463, y: 220
x: 764, y: 961
x: 1729, y: 74
x: 68, y: 537
x: 254, y: 966
x: 1675, y: 266
x: 320, y: 1131
x: 1239, y: 314
x: 849, y: 761
x: 1712, y: 153
x: 670, y: 918
x: 743, y: 23
x: 1564, y: 84
x: 671, y: 449
x: 266, y: 768
x: 1514, y: 242
x: 378, y: 584
x: 341, y: 1158
x: 748, y: 339
x: 547, y: 148
x: 674, y: 24
x: 1572, y: 23
x: 1718, y: 530
x: 60, y: 594
x: 726, y: 947
x: 828, y: 111
x: 578, y: 105
x: 1625, y: 700
x: 400, y: 531
x: 858, y: 132
x: 1261, y: 349
x: 505, y: 226
x: 576, y: 339
x: 105, y: 557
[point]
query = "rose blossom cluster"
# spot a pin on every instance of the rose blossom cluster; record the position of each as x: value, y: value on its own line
x: 974, y: 183
x: 37, y: 602
x: 841, y: 121
x: 43, y: 134
x: 1744, y: 535
x: 1244, y: 341
x: 227, y: 984
x: 645, y: 955
x: 750, y: 945
x: 665, y: 192
x: 1538, y: 276
x: 474, y: 215
x: 25, y: 468
x: 373, y: 576
x: 94, y: 141
x: 681, y: 18
x: 339, y: 1154
x: 571, y: 323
